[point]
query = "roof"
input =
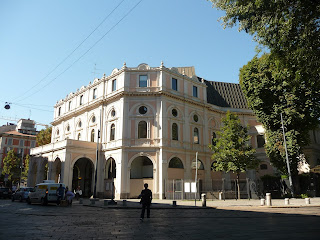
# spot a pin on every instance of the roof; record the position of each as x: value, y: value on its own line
x: 225, y: 94
x: 19, y: 134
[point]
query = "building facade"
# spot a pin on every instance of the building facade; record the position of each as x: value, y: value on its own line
x: 20, y: 138
x: 142, y: 125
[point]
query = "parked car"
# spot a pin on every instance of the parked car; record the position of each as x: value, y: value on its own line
x: 21, y: 194
x: 38, y: 193
x: 5, y: 192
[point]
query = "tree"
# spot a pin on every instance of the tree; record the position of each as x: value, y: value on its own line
x: 11, y: 166
x: 231, y: 150
x: 271, y: 89
x: 287, y: 79
x: 44, y: 136
x: 25, y: 172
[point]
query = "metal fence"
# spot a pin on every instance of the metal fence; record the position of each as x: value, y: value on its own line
x: 180, y: 189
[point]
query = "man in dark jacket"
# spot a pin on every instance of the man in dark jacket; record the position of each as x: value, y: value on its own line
x: 146, y: 198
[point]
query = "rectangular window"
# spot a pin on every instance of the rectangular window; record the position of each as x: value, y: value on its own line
x: 143, y: 81
x: 114, y: 85
x: 9, y: 141
x: 33, y: 144
x: 94, y: 96
x: 81, y: 100
x: 21, y: 143
x: 175, y: 84
x: 195, y: 91
x: 69, y: 106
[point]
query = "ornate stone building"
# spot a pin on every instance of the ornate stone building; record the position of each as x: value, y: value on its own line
x: 142, y: 124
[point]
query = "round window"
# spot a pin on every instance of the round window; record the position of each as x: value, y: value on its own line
x: 195, y: 118
x: 174, y: 112
x: 113, y: 113
x: 93, y: 119
x: 143, y: 110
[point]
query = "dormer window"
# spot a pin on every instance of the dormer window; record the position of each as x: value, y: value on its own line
x: 81, y: 100
x: 114, y: 85
x: 59, y: 111
x: 175, y: 84
x: 94, y: 95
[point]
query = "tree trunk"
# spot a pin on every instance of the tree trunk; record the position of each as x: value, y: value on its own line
x: 238, y: 185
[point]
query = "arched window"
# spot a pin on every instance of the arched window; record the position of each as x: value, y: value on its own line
x: 200, y: 164
x: 112, y: 132
x: 142, y: 129
x: 175, y: 163
x: 92, y: 135
x: 79, y: 136
x: 213, y: 137
x: 196, y: 136
x: 175, y: 132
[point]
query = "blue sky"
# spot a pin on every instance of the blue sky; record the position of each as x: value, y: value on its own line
x: 36, y: 36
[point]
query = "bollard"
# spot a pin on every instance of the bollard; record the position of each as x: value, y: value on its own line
x: 80, y: 200
x: 204, y: 199
x: 307, y: 200
x: 268, y: 199
x: 263, y: 202
x: 174, y: 203
x: 220, y: 195
x: 286, y: 201
x: 124, y: 203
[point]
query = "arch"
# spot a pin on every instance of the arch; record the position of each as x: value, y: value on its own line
x: 82, y: 175
x: 141, y: 171
x: 175, y: 162
x: 175, y: 169
x: 56, y: 170
x: 175, y: 131
x: 143, y: 66
x: 215, y: 175
x: 200, y: 119
x: 142, y: 129
x: 134, y: 111
x: 180, y: 113
x: 200, y: 164
x: 91, y: 118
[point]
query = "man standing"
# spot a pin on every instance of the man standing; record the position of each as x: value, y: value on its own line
x: 60, y: 194
x: 146, y: 198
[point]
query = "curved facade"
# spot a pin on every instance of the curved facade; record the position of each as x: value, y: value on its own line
x: 141, y: 119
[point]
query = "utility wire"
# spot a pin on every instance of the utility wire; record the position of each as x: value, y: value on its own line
x: 84, y: 53
x: 70, y: 53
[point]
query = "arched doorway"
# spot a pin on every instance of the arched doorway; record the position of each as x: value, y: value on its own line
x: 141, y: 172
x: 82, y: 176
x: 56, y: 170
x: 175, y: 169
x: 110, y: 178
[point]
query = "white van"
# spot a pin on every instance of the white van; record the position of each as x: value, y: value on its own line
x: 38, y: 194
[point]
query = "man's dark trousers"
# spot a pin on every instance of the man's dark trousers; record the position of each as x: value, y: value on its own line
x: 144, y: 206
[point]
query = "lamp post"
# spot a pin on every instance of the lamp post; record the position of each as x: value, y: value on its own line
x: 196, y: 176
x: 287, y: 158
x: 97, y: 159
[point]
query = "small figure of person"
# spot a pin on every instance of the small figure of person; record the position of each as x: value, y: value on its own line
x: 146, y: 198
x: 60, y: 194
x: 78, y: 193
x: 69, y: 196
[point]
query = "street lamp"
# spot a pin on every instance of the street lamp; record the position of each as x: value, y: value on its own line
x: 287, y: 158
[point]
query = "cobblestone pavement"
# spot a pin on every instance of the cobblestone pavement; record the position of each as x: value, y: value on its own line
x: 22, y: 221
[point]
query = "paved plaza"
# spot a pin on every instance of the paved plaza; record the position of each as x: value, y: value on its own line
x: 231, y: 220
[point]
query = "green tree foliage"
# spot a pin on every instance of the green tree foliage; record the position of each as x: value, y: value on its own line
x: 44, y: 136
x: 287, y: 79
x: 26, y: 168
x: 11, y: 166
x: 231, y: 150
x: 271, y: 89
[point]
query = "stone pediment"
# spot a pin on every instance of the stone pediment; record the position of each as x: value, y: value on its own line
x: 143, y: 66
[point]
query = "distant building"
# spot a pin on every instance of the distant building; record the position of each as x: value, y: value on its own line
x: 21, y: 138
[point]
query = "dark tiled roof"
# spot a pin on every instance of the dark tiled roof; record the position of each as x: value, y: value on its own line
x: 225, y: 94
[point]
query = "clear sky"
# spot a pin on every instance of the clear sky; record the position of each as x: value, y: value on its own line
x: 43, y: 55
